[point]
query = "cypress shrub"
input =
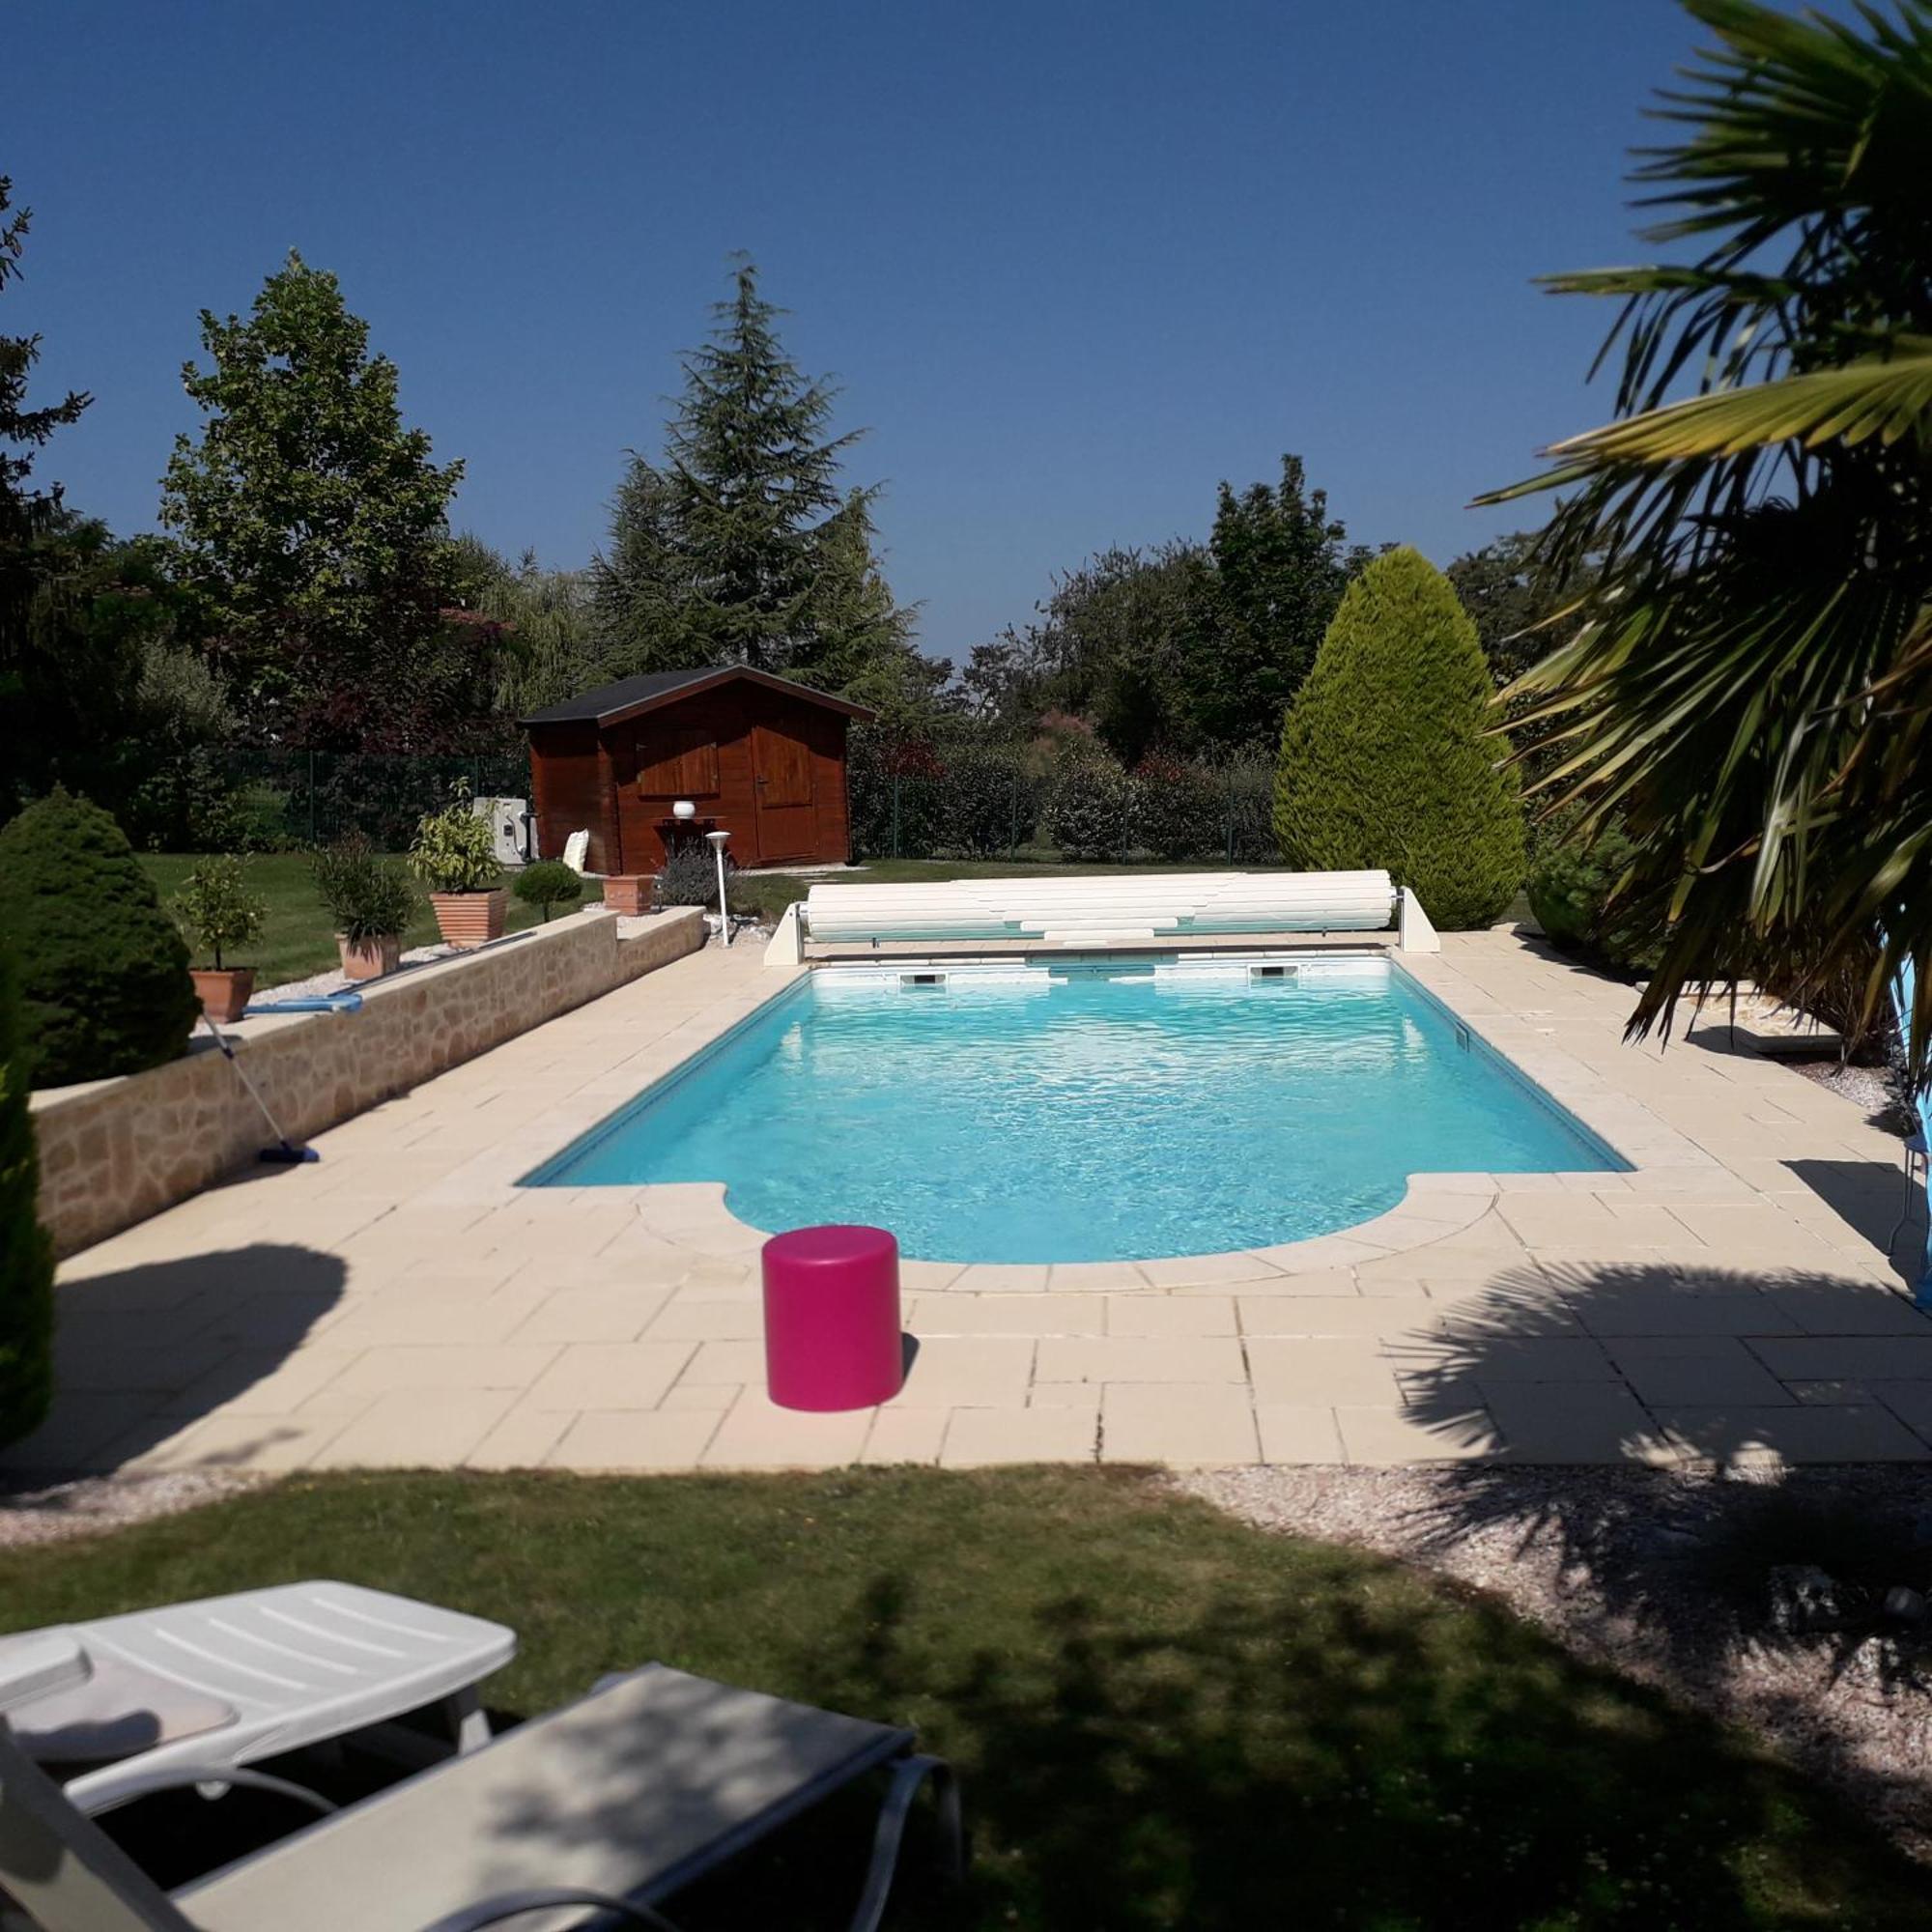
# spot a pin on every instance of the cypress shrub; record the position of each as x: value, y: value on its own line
x: 103, y: 972
x: 1385, y: 757
x: 26, y: 1255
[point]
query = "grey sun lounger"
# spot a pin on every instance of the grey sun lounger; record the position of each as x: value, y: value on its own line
x: 229, y: 1680
x: 590, y: 1816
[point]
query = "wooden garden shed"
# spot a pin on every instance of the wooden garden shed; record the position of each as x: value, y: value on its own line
x: 760, y: 756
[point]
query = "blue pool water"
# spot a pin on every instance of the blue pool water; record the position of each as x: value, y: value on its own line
x: 1037, y: 1113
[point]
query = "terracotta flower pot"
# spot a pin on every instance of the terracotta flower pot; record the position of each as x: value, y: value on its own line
x: 470, y: 919
x: 370, y: 959
x: 223, y: 991
x: 629, y: 893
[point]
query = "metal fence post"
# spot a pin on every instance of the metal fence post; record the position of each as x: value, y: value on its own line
x: 1013, y: 817
x: 896, y: 814
x: 311, y: 798
x: 1228, y: 797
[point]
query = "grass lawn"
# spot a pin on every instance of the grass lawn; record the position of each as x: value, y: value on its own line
x: 1164, y: 1719
x: 298, y: 939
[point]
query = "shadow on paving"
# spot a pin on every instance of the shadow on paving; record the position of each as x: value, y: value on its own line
x: 1576, y: 1468
x: 1879, y: 1203
x: 143, y: 1352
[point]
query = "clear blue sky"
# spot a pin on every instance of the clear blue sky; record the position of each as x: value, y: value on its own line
x: 1073, y: 264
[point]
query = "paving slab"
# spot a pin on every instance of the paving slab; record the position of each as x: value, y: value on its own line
x: 405, y: 1299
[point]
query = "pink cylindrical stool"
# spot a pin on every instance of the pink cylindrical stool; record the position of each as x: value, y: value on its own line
x: 832, y: 1318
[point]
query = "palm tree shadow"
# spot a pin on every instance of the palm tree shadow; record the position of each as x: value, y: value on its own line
x: 143, y: 1353
x: 1696, y: 1493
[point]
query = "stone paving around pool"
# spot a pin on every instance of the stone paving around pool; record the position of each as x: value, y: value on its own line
x: 403, y: 1303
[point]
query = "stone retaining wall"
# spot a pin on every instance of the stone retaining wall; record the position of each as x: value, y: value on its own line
x: 114, y: 1151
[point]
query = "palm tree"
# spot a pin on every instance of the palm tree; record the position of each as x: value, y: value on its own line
x: 1750, y: 688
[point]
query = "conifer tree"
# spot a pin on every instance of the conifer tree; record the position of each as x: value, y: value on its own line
x: 1386, y: 755
x: 28, y: 518
x: 741, y: 546
x: 859, y: 639
x: 641, y: 582
x: 755, y: 477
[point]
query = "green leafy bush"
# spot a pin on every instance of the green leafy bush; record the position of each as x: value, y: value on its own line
x: 103, y: 972
x: 690, y: 878
x: 1177, y: 811
x: 366, y: 897
x: 1089, y: 805
x: 454, y: 850
x: 1385, y: 757
x: 187, y: 804
x: 262, y: 820
x: 26, y: 1255
x: 215, y: 908
x: 1570, y: 889
x: 546, y: 883
x: 894, y: 792
x: 985, y: 801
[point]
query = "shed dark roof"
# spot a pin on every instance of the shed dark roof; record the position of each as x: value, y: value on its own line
x: 610, y: 702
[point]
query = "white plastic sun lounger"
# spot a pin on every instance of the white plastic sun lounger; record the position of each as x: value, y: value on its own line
x: 229, y: 1680
x: 1114, y: 909
x: 591, y: 1815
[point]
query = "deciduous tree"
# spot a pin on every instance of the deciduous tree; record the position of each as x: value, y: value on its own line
x: 313, y: 526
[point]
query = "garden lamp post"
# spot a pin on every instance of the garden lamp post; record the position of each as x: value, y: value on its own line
x: 718, y: 839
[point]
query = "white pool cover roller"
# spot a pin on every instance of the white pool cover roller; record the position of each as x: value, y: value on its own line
x: 1118, y: 907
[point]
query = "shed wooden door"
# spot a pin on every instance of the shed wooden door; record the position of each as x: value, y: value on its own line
x: 781, y: 789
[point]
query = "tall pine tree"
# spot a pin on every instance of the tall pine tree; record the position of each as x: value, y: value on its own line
x: 30, y: 519
x: 741, y: 546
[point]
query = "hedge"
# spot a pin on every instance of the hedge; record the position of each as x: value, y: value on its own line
x: 1385, y: 758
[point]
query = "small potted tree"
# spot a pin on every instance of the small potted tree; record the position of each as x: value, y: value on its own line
x: 546, y: 883
x: 218, y: 913
x: 454, y: 856
x: 370, y: 901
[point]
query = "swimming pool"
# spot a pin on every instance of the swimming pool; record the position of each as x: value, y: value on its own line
x: 1038, y: 1111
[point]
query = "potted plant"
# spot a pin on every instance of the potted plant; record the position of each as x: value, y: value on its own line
x: 370, y: 902
x: 547, y: 882
x: 455, y: 857
x: 218, y: 913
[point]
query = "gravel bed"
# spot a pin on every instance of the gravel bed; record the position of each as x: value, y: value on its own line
x: 92, y: 1505
x: 335, y: 981
x: 1637, y: 1570
x: 1872, y: 1089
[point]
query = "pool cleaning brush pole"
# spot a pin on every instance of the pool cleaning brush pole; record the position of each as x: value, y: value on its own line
x: 284, y: 1153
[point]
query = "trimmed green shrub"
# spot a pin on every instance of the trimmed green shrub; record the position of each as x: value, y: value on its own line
x: 546, y: 883
x: 1385, y: 757
x: 26, y: 1255
x: 216, y: 909
x: 103, y: 972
